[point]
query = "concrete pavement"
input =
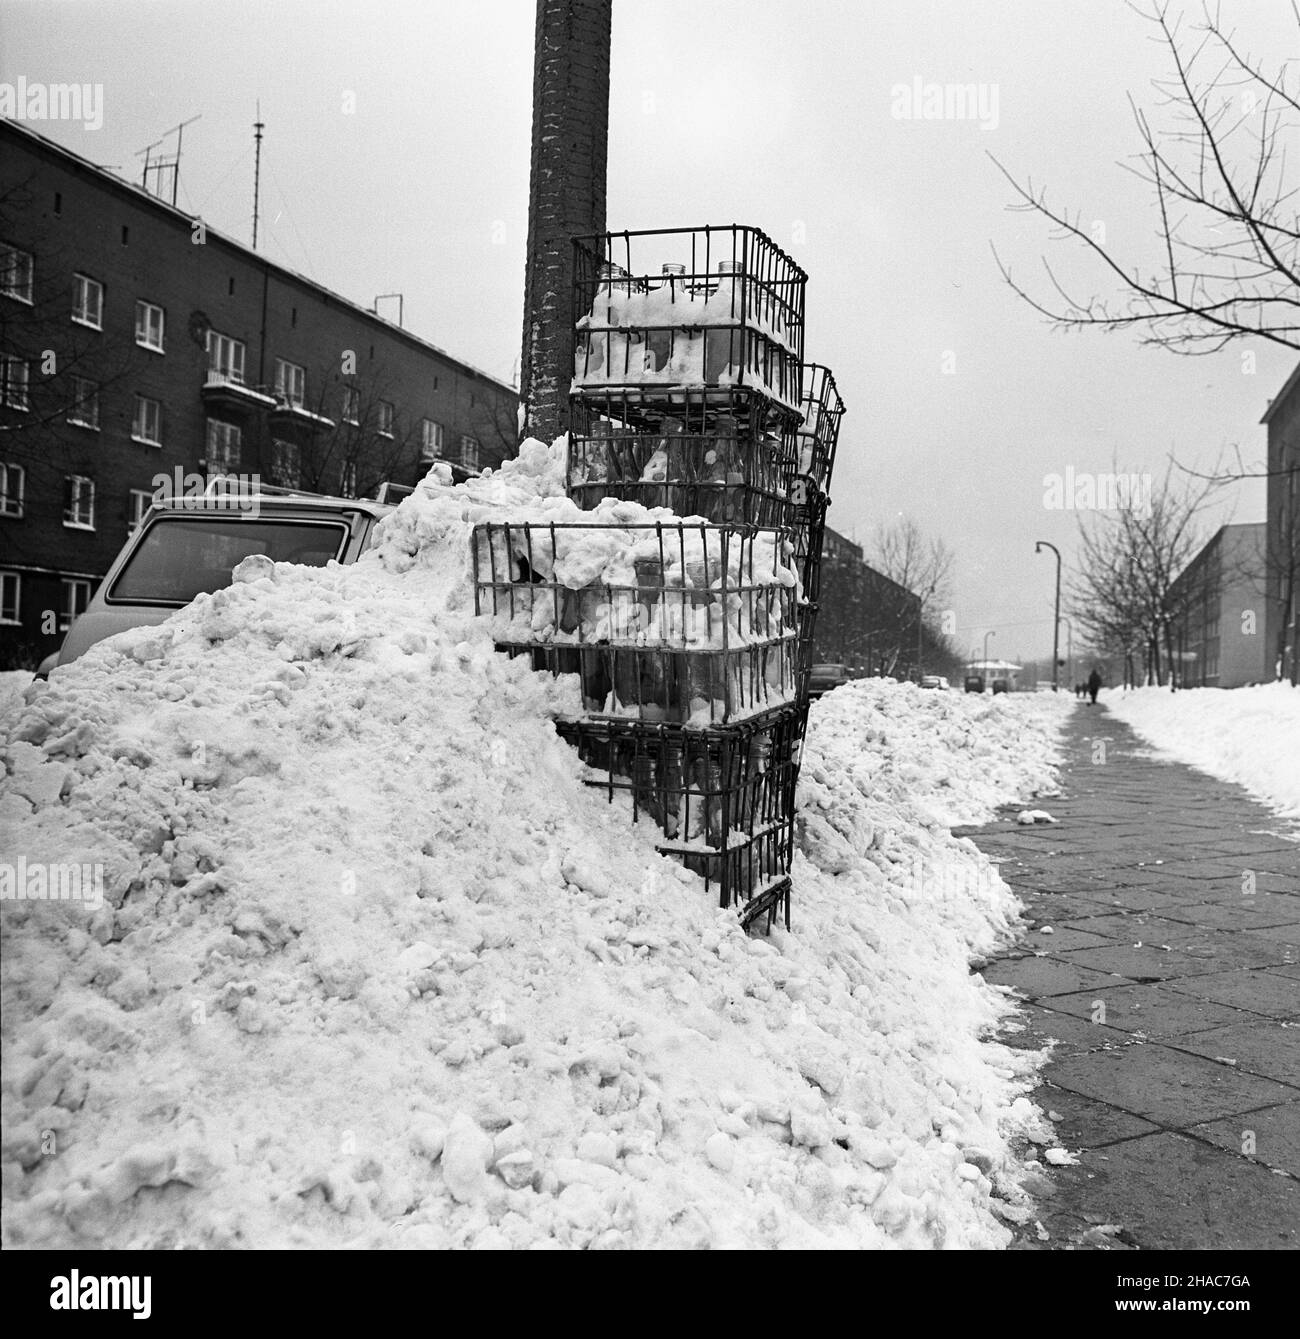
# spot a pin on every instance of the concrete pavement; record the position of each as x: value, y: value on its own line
x: 1164, y: 959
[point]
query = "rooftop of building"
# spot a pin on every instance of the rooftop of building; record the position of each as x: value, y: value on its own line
x: 140, y: 196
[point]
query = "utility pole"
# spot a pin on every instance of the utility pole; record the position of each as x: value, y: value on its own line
x: 566, y: 195
x: 1039, y: 546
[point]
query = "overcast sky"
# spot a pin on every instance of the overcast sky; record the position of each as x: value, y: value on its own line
x: 765, y: 112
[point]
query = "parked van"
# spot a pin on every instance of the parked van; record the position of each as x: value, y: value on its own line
x: 190, y: 546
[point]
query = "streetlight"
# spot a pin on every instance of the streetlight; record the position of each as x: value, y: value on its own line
x: 1039, y: 546
x: 1069, y: 650
x: 987, y: 635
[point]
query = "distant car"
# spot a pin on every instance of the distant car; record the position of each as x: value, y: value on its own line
x: 934, y: 681
x: 974, y: 683
x: 822, y: 678
x: 1001, y: 685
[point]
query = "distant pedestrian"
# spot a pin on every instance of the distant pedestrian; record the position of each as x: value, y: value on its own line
x: 1094, y: 687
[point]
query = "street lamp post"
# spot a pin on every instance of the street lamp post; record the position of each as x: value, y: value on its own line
x: 987, y: 635
x: 1039, y: 546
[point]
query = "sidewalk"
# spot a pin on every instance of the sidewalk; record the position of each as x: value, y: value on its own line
x: 1173, y: 993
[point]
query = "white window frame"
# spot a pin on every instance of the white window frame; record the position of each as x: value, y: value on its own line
x: 138, y: 501
x: 226, y: 355
x: 84, y: 311
x: 291, y: 382
x: 72, y: 586
x: 140, y: 431
x: 223, y: 435
x: 82, y: 490
x: 431, y: 441
x: 12, y: 498
x: 387, y: 418
x: 11, y: 599
x: 352, y: 405
x: 144, y: 325
x: 16, y: 277
x: 469, y: 448
x: 84, y: 410
x: 16, y: 399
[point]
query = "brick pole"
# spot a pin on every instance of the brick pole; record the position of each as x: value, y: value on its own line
x: 566, y: 195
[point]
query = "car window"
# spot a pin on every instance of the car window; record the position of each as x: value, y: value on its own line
x: 179, y: 557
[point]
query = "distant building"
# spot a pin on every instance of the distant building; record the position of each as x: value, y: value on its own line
x: 135, y: 341
x: 1219, y: 638
x: 867, y: 621
x: 1282, y: 544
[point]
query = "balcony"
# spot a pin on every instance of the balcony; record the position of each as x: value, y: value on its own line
x: 223, y: 391
x: 286, y: 413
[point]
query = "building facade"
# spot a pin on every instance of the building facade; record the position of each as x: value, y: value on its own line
x: 866, y: 621
x: 1219, y: 634
x: 1282, y: 545
x: 138, y: 345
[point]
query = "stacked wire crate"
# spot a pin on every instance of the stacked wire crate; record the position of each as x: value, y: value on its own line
x: 690, y: 636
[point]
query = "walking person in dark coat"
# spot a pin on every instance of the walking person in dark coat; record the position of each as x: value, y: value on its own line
x: 1094, y: 687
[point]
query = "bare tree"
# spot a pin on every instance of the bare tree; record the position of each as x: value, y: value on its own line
x: 1225, y: 210
x: 1125, y: 596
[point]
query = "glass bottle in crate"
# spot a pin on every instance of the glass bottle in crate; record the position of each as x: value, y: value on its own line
x: 723, y: 345
x: 659, y: 339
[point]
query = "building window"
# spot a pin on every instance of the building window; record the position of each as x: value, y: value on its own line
x: 10, y: 592
x: 84, y: 411
x: 224, y: 441
x: 285, y: 463
x: 15, y: 273
x: 146, y: 427
x: 13, y: 371
x: 226, y: 357
x: 87, y: 301
x: 290, y: 383
x: 348, y: 479
x: 79, y: 514
x: 351, y: 405
x: 13, y: 482
x: 387, y: 416
x: 469, y: 452
x: 138, y: 502
x: 76, y: 596
x: 149, y: 323
x: 430, y: 439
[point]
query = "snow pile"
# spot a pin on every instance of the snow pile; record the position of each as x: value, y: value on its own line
x: 1247, y: 735
x: 374, y: 968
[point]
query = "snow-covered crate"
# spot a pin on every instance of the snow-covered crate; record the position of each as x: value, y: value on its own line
x: 819, y: 432
x: 728, y: 456
x: 808, y: 535
x: 723, y: 798
x: 710, y: 307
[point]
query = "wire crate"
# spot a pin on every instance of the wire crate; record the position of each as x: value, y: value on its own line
x: 722, y: 798
x: 712, y: 307
x: 818, y: 434
x: 669, y: 621
x: 809, y: 533
x: 729, y: 457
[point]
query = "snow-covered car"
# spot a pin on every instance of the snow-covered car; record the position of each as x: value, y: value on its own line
x: 974, y: 683
x: 190, y: 546
x: 822, y: 678
x: 934, y: 681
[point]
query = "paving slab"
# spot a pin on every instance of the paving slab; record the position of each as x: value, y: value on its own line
x: 1171, y: 989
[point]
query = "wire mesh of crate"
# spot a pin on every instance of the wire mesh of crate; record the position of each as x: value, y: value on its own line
x: 722, y: 798
x: 675, y: 621
x: 729, y: 457
x: 809, y: 534
x: 711, y: 306
x: 818, y: 434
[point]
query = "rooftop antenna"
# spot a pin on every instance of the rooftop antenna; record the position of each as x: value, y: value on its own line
x: 258, y: 127
x: 161, y: 164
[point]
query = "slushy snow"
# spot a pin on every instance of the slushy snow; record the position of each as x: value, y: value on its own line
x: 375, y: 968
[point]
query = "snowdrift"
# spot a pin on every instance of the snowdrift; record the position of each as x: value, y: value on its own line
x: 374, y: 968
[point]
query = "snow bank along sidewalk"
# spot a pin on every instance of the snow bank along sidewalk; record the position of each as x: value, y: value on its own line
x: 373, y: 967
x: 1247, y: 735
